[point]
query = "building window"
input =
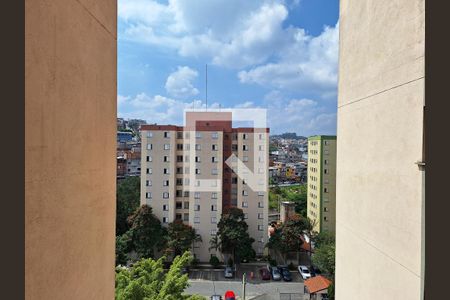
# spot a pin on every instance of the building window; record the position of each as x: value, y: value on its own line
x: 325, y: 209
x: 198, y: 135
x: 196, y: 220
x: 260, y: 227
x: 187, y: 134
x: 325, y: 190
x: 197, y: 171
x: 260, y: 216
x: 197, y: 195
x: 245, y: 147
x: 165, y: 220
x: 178, y: 205
x: 166, y: 171
x: 261, y: 159
x: 214, y: 147
x: 178, y: 193
x: 179, y: 170
x: 149, y: 158
x: 166, y: 183
x: 179, y: 158
x: 213, y: 207
x: 213, y: 220
x: 213, y: 231
x: 149, y: 146
x: 186, y: 194
x: 214, y: 159
x: 166, y: 134
x: 186, y: 205
x: 166, y: 158
x: 179, y: 182
x: 214, y: 195
x: 166, y: 146
x: 148, y: 183
x: 165, y: 195
x: 325, y: 219
x: 148, y: 195
x: 260, y: 204
x: 198, y: 147
x: 245, y: 158
x: 165, y: 207
x: 234, y: 147
x: 261, y: 136
x: 326, y: 161
x: 186, y: 181
x: 186, y: 217
x: 149, y: 134
x: 245, y: 136
x: 187, y: 146
x: 244, y: 204
x: 179, y: 134
x: 260, y: 193
x: 261, y: 147
x: 197, y: 159
x: 245, y: 216
x: 149, y: 171
x: 214, y: 172
x: 244, y: 193
x: 197, y: 207
x: 215, y: 135
x: 234, y: 180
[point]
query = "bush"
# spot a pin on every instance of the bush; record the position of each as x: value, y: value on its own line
x: 214, y: 261
x: 194, y: 262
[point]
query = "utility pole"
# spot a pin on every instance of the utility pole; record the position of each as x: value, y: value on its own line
x: 243, y: 286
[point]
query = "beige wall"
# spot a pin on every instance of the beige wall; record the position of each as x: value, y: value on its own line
x: 70, y: 168
x: 380, y: 114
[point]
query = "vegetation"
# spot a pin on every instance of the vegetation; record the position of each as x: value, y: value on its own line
x: 147, y: 280
x: 146, y: 232
x: 127, y: 201
x: 324, y: 259
x: 232, y: 236
x: 180, y: 237
x: 123, y: 246
x: 296, y: 194
x: 214, y: 261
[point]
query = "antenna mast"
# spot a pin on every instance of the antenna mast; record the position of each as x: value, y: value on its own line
x: 206, y: 87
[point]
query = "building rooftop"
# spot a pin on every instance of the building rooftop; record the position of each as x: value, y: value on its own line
x: 317, y: 283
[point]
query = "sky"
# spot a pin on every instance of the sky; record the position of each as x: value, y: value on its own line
x: 278, y: 55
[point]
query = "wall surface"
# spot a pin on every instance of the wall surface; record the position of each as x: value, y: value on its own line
x: 70, y: 141
x: 380, y: 123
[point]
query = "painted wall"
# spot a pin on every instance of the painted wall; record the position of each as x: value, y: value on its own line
x: 70, y: 149
x: 380, y: 123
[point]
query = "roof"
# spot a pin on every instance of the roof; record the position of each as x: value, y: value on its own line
x: 317, y: 283
x: 322, y: 137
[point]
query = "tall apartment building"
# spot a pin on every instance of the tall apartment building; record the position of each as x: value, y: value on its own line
x: 321, y: 201
x: 380, y: 159
x: 185, y: 176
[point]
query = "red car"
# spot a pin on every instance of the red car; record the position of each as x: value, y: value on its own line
x: 265, y: 275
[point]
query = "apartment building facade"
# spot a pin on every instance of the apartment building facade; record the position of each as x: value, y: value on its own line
x: 321, y: 199
x: 380, y: 160
x: 191, y: 173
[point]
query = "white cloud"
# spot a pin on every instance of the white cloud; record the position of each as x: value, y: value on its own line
x: 308, y: 64
x: 179, y: 83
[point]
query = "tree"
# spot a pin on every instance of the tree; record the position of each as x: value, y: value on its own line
x: 214, y: 261
x: 289, y: 236
x: 147, y: 280
x: 324, y: 259
x: 123, y: 247
x: 146, y: 231
x: 180, y: 237
x: 323, y: 238
x: 127, y: 201
x: 232, y: 235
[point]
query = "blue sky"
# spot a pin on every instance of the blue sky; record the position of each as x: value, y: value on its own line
x: 278, y: 55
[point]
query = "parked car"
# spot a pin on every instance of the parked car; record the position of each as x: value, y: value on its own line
x: 269, y: 268
x: 276, y: 275
x: 228, y: 272
x: 265, y: 274
x: 216, y: 297
x: 304, y: 272
x: 286, y: 274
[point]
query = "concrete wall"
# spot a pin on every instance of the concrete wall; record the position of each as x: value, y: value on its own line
x: 70, y: 140
x: 380, y: 123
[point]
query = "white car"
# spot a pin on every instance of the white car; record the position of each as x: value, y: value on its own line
x: 304, y: 272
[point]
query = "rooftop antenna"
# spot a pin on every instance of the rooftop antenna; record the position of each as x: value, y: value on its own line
x: 206, y: 79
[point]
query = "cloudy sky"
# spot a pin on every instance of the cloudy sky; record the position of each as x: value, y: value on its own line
x: 279, y: 55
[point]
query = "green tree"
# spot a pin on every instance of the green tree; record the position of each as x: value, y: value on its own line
x: 324, y: 259
x: 123, y: 247
x: 323, y: 238
x: 127, y: 201
x: 146, y: 280
x: 146, y: 231
x: 180, y: 237
x: 232, y: 236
